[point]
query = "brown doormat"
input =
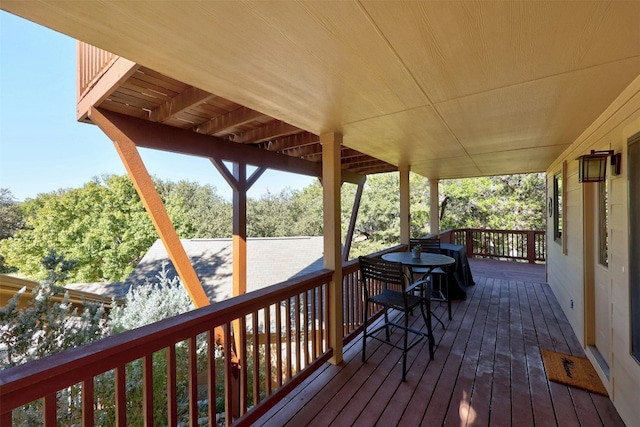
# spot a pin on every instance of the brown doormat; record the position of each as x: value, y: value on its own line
x: 572, y: 371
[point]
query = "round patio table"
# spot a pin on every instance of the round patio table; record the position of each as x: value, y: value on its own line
x: 428, y: 261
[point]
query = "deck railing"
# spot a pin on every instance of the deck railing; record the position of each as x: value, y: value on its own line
x: 10, y: 285
x: 526, y: 245
x: 92, y: 63
x: 183, y: 357
x: 282, y: 338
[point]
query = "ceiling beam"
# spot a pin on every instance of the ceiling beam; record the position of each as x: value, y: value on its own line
x: 375, y: 169
x: 176, y: 105
x: 292, y: 141
x: 168, y: 138
x: 303, y: 151
x: 234, y: 118
x: 272, y: 130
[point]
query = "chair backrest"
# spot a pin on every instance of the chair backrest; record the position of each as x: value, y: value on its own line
x: 389, y: 274
x: 432, y: 244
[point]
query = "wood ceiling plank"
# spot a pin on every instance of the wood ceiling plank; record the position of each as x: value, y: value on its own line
x: 155, y: 78
x: 134, y: 99
x: 541, y: 113
x: 121, y: 108
x: 371, y: 70
x: 403, y: 138
x: 136, y: 84
x: 461, y: 48
x: 447, y: 168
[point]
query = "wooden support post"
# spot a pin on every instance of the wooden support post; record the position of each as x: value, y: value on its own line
x: 434, y: 212
x: 354, y: 216
x: 468, y: 232
x: 240, y: 185
x: 240, y: 230
x: 405, y: 208
x: 138, y: 173
x: 331, y: 182
x: 531, y: 247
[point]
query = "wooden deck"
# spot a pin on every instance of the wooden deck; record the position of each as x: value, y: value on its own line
x: 487, y: 368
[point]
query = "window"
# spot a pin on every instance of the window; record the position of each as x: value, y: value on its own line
x: 603, y: 223
x: 557, y: 207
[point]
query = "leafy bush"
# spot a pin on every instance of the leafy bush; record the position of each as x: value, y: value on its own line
x: 150, y: 303
x: 46, y: 327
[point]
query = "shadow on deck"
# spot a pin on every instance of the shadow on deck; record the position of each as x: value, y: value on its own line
x: 487, y: 368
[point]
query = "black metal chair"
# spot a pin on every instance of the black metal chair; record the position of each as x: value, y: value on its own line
x: 439, y: 292
x: 386, y: 285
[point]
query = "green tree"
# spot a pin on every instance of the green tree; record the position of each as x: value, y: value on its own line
x: 307, y: 211
x: 11, y: 221
x: 57, y: 267
x: 378, y: 222
x: 270, y: 215
x: 197, y: 211
x: 511, y: 202
x: 103, y: 226
x: 11, y: 218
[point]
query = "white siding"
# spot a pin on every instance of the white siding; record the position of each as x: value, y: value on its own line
x: 566, y: 272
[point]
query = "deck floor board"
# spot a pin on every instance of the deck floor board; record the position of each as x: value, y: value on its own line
x: 487, y: 368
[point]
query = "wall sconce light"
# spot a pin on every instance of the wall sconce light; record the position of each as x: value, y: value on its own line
x: 616, y: 163
x: 593, y: 167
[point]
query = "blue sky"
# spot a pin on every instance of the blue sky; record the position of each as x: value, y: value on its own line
x: 43, y: 147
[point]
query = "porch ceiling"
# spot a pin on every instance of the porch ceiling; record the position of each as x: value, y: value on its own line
x: 452, y: 89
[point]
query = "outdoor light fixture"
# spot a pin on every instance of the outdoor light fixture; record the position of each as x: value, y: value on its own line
x: 593, y: 167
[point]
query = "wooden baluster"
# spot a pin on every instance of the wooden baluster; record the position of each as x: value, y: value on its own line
x: 193, y: 381
x: 314, y: 319
x: 50, y: 410
x: 6, y: 419
x: 243, y: 365
x: 147, y: 390
x: 325, y: 317
x: 305, y: 320
x: 288, y: 326
x: 87, y: 403
x: 267, y: 350
x: 230, y: 389
x: 279, y: 343
x: 121, y: 396
x: 256, y: 358
x: 211, y: 377
x: 172, y: 398
x: 298, y: 337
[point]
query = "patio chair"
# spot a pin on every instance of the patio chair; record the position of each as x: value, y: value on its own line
x: 386, y: 285
x: 439, y: 292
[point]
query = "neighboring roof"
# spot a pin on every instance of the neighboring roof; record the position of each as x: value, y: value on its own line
x: 269, y: 261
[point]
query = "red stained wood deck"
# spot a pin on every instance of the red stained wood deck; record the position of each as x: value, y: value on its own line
x: 487, y: 368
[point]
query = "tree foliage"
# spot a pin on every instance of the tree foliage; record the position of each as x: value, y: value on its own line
x: 104, y: 227
x: 197, y: 211
x: 11, y: 220
x: 513, y: 202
